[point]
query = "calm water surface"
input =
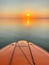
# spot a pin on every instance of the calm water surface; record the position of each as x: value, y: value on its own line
x: 36, y: 31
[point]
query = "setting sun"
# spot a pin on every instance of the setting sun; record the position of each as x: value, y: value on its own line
x: 28, y: 14
x: 27, y: 17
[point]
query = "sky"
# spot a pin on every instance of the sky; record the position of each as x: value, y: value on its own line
x: 37, y: 31
x: 13, y: 7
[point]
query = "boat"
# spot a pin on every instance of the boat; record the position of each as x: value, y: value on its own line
x: 23, y: 53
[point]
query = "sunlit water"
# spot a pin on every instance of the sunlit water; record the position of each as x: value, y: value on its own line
x: 36, y: 31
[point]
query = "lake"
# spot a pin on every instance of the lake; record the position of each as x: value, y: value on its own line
x: 35, y: 30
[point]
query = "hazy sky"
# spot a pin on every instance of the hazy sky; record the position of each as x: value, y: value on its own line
x: 19, y: 6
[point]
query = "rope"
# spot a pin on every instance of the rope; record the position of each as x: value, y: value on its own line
x: 25, y: 55
x: 12, y: 56
x: 31, y: 54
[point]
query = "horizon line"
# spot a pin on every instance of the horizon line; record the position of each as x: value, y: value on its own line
x: 24, y: 18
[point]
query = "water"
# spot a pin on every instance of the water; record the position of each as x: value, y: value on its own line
x: 36, y: 31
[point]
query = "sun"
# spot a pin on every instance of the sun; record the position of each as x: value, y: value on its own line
x: 28, y: 14
x: 27, y: 18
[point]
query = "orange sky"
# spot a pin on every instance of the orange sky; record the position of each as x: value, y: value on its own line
x: 33, y: 15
